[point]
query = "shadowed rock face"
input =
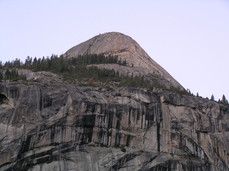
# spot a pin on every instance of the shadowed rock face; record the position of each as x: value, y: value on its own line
x: 67, y: 127
x: 125, y: 48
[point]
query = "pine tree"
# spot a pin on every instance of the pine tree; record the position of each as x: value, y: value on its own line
x: 28, y: 62
x: 224, y: 100
x: 1, y: 76
x: 1, y: 65
x: 7, y: 75
x: 212, y: 97
x: 17, y: 63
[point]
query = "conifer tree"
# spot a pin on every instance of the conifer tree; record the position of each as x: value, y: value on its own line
x: 7, y: 75
x: 224, y: 100
x: 1, y: 65
x: 212, y: 97
x: 1, y: 76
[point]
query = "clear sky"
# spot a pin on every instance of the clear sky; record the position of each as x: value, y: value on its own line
x: 189, y: 38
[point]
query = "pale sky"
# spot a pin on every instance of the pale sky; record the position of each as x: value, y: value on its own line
x: 189, y: 38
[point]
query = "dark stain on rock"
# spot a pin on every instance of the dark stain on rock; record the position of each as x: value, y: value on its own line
x: 120, y: 162
x: 3, y: 99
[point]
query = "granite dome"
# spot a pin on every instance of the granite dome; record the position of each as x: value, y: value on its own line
x: 126, y: 48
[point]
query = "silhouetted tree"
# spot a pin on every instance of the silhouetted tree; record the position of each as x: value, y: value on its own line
x: 1, y: 75
x: 28, y: 62
x: 17, y: 63
x: 1, y: 65
x: 212, y: 97
x: 224, y: 100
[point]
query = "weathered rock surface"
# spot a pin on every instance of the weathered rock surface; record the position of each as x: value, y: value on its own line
x: 39, y: 76
x: 48, y: 123
x: 67, y: 127
x: 114, y: 43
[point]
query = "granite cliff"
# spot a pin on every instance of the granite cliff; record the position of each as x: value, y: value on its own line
x: 57, y: 125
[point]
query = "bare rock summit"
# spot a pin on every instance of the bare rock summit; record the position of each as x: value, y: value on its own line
x: 127, y: 49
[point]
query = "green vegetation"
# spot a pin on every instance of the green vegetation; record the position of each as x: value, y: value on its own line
x: 224, y: 100
x: 81, y: 68
x: 61, y: 64
x: 72, y: 68
x: 212, y: 98
x: 11, y: 75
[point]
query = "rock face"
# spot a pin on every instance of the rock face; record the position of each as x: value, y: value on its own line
x: 125, y: 48
x: 48, y: 123
x: 67, y: 127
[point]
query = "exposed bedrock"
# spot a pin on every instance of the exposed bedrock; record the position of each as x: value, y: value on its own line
x: 67, y: 127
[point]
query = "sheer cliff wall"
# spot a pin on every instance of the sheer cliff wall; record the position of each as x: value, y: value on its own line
x: 68, y: 127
